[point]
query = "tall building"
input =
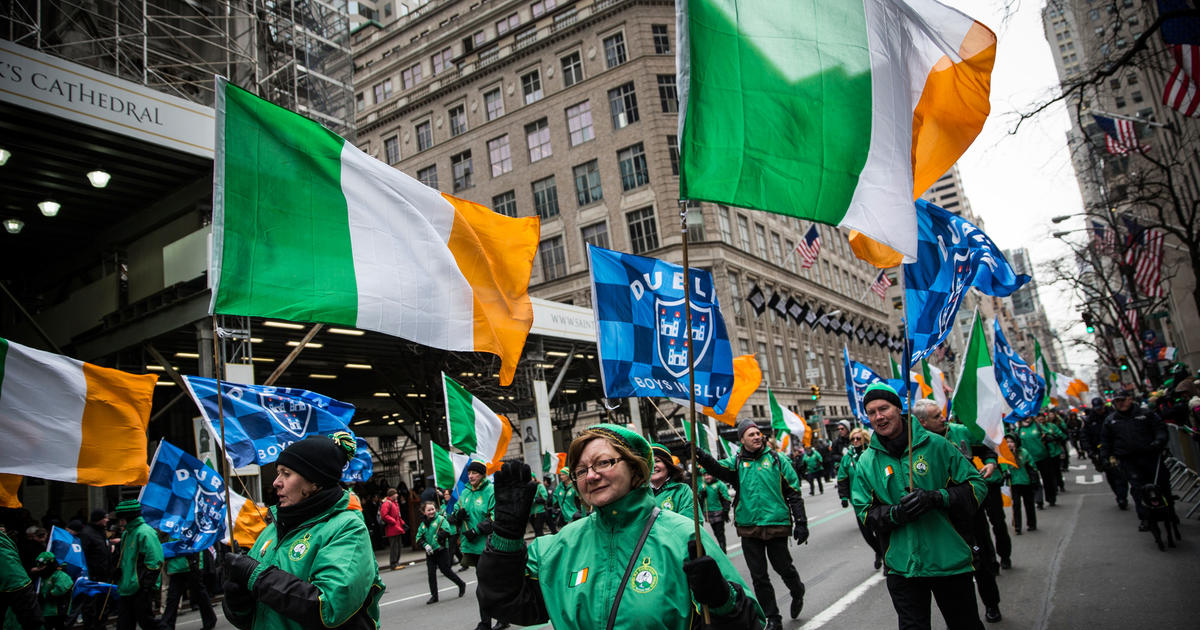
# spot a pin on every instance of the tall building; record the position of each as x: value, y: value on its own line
x: 568, y: 111
x: 1029, y: 317
x: 1089, y: 40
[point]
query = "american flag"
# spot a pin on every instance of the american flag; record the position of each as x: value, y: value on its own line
x: 1120, y: 136
x: 809, y: 247
x: 881, y: 284
x: 1127, y: 316
x: 1182, y: 36
x: 1106, y: 239
x: 1145, y: 256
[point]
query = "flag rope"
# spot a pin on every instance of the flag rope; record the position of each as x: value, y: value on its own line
x: 219, y: 364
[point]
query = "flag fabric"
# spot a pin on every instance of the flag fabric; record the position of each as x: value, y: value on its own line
x: 249, y: 520
x: 757, y: 300
x: 262, y: 420
x: 1127, y: 316
x: 978, y: 402
x: 641, y: 331
x: 68, y: 551
x: 474, y: 428
x: 747, y: 376
x: 786, y: 421
x: 707, y: 439
x: 184, y: 499
x: 1165, y: 353
x: 857, y: 377
x: 1042, y: 366
x: 66, y: 420
x: 795, y: 309
x: 1077, y: 388
x: 91, y: 588
x: 553, y: 462
x: 1022, y: 388
x: 936, y: 380
x: 1182, y: 37
x: 361, y: 466
x: 811, y: 315
x: 307, y: 227
x: 1105, y: 238
x: 1145, y: 254
x: 779, y: 305
x: 449, y: 471
x: 1120, y: 135
x: 9, y: 487
x: 809, y: 247
x: 954, y: 256
x: 881, y: 284
x: 858, y: 106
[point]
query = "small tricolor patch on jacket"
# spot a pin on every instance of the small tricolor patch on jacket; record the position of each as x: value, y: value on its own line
x: 887, y: 471
x: 578, y: 577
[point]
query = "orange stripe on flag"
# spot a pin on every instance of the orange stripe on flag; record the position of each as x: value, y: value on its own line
x: 495, y: 254
x: 501, y: 444
x: 115, y: 416
x: 1005, y: 454
x: 873, y: 252
x: 747, y: 377
x: 9, y: 484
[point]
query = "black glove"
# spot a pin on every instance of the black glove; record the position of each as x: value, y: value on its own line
x: 442, y: 537
x: 800, y: 533
x: 238, y: 568
x: 682, y: 449
x: 455, y: 518
x: 237, y: 597
x: 918, y: 502
x: 704, y: 579
x: 471, y: 535
x: 148, y: 579
x: 899, y: 516
x: 515, y: 490
x: 845, y: 503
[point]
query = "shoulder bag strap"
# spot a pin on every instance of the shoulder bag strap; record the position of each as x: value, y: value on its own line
x: 612, y: 614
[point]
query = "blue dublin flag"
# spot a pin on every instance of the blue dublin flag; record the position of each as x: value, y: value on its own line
x: 952, y: 256
x: 261, y: 421
x: 641, y: 330
x: 361, y: 467
x: 1023, y: 389
x: 184, y: 499
x: 69, y: 553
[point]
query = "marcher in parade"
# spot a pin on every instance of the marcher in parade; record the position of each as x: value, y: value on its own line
x: 98, y: 554
x: 716, y: 506
x: 537, y: 517
x: 575, y: 580
x: 567, y: 499
x: 767, y: 508
x: 54, y: 592
x: 140, y: 566
x: 1021, y: 481
x: 666, y: 482
x: 925, y: 528
x: 434, y: 534
x: 473, y: 515
x: 1034, y: 440
x: 858, y: 439
x: 184, y: 574
x: 814, y: 466
x: 313, y: 566
x: 17, y: 592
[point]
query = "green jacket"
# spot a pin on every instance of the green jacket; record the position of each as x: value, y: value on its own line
x: 322, y: 573
x: 567, y: 499
x: 474, y: 512
x: 140, y: 552
x: 675, y: 496
x: 432, y: 531
x: 1022, y: 473
x: 540, y: 500
x: 813, y: 462
x: 767, y: 482
x: 715, y: 495
x: 571, y: 579
x: 932, y: 545
x: 1031, y: 440
x: 846, y: 468
x: 180, y: 564
x: 12, y: 573
x: 1058, y: 438
x: 55, y: 593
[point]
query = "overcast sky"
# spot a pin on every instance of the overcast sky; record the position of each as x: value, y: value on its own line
x: 1017, y: 182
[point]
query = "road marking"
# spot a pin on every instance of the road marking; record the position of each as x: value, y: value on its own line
x: 420, y: 595
x: 1056, y: 565
x: 835, y: 609
x: 1083, y: 479
x: 1079, y: 467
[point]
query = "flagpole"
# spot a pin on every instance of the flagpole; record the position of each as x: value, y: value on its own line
x: 219, y: 361
x: 687, y: 309
x: 905, y: 369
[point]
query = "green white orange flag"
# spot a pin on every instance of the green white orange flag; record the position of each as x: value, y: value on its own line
x: 66, y: 420
x: 785, y: 421
x: 447, y: 467
x: 307, y: 227
x: 249, y: 520
x: 553, y: 462
x: 474, y: 428
x: 935, y: 380
x: 840, y: 112
x: 978, y: 402
x: 1043, y: 370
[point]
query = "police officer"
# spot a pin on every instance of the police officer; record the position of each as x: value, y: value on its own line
x: 1133, y: 439
x: 1093, y: 427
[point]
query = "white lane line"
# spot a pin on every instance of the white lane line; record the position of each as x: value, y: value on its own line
x: 838, y: 607
x: 420, y: 595
x: 1056, y: 566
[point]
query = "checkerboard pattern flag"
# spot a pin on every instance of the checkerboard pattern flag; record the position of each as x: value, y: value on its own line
x: 184, y: 499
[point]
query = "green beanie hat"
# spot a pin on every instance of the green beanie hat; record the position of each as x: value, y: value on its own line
x: 634, y: 442
x: 130, y: 508
x: 882, y: 391
x: 46, y: 557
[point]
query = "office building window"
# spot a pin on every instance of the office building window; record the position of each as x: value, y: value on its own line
x: 572, y: 69
x: 539, y: 8
x: 494, y: 102
x: 537, y: 137
x: 383, y: 91
x: 505, y: 203
x: 622, y: 101
x: 780, y: 365
x: 632, y: 163
x: 411, y: 76
x: 499, y: 155
x: 643, y: 230
x: 545, y: 198
x: 760, y: 234
x: 668, y: 96
x: 428, y: 176
x: 777, y: 249
x: 614, y: 50
x: 360, y: 102
x: 673, y: 153
x: 587, y: 183
x: 595, y: 234
x: 764, y: 362
x: 735, y: 293
x: 554, y: 259
x: 579, y: 123
x: 744, y: 232
x: 531, y: 86
x: 458, y: 120
x: 507, y: 24
x: 724, y: 224
x: 391, y: 149
x: 460, y: 165
x: 440, y: 61
x: 424, y: 133
x: 662, y: 41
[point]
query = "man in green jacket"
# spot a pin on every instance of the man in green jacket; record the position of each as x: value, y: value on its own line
x: 567, y: 499
x: 1034, y: 439
x: 537, y: 517
x: 140, y: 564
x: 473, y: 513
x: 16, y: 589
x: 923, y: 527
x: 184, y: 573
x: 55, y: 591
x: 768, y: 507
x: 716, y: 502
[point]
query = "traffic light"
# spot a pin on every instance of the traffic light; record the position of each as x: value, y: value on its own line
x: 816, y: 392
x: 1124, y: 364
x: 1088, y: 321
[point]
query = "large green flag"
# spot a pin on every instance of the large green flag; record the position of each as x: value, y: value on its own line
x: 978, y: 402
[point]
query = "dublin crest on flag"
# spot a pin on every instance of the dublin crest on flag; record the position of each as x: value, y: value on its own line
x: 261, y: 420
x: 1023, y: 389
x: 642, y: 333
x: 184, y: 499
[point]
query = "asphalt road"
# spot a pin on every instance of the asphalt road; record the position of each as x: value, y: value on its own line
x: 1085, y: 567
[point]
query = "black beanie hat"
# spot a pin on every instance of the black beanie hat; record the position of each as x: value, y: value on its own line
x: 318, y: 458
x: 477, y: 466
x: 743, y: 426
x: 97, y: 515
x: 880, y: 391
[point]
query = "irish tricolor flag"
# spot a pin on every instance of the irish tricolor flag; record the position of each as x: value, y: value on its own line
x: 248, y: 520
x: 786, y: 422
x: 842, y: 112
x: 978, y: 402
x: 309, y: 228
x: 67, y: 420
x: 475, y: 429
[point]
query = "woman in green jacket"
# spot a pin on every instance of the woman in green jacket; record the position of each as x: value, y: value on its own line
x: 1021, y: 479
x: 665, y: 481
x: 433, y: 534
x: 628, y: 562
x: 859, y: 439
x: 313, y: 566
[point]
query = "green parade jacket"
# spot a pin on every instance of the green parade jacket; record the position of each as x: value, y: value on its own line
x: 571, y: 579
x: 56, y: 593
x: 321, y: 574
x: 766, y: 481
x: 473, y: 512
x: 936, y: 543
x: 715, y: 494
x: 845, y: 475
x: 433, y: 532
x: 675, y: 496
x: 140, y: 553
x: 1031, y: 440
x: 539, y: 501
x: 1021, y: 474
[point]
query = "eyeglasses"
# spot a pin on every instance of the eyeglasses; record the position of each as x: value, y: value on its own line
x: 599, y: 467
x: 856, y: 439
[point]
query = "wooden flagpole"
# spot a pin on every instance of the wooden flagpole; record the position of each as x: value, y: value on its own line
x: 687, y: 301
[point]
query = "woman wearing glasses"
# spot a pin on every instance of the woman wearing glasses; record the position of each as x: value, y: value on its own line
x: 859, y: 439
x: 628, y: 564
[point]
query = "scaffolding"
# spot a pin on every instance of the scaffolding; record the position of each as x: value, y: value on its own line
x: 294, y: 53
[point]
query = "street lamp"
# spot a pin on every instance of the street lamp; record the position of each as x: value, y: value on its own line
x: 13, y: 226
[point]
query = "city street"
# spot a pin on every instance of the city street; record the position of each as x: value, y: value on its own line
x: 1085, y: 567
